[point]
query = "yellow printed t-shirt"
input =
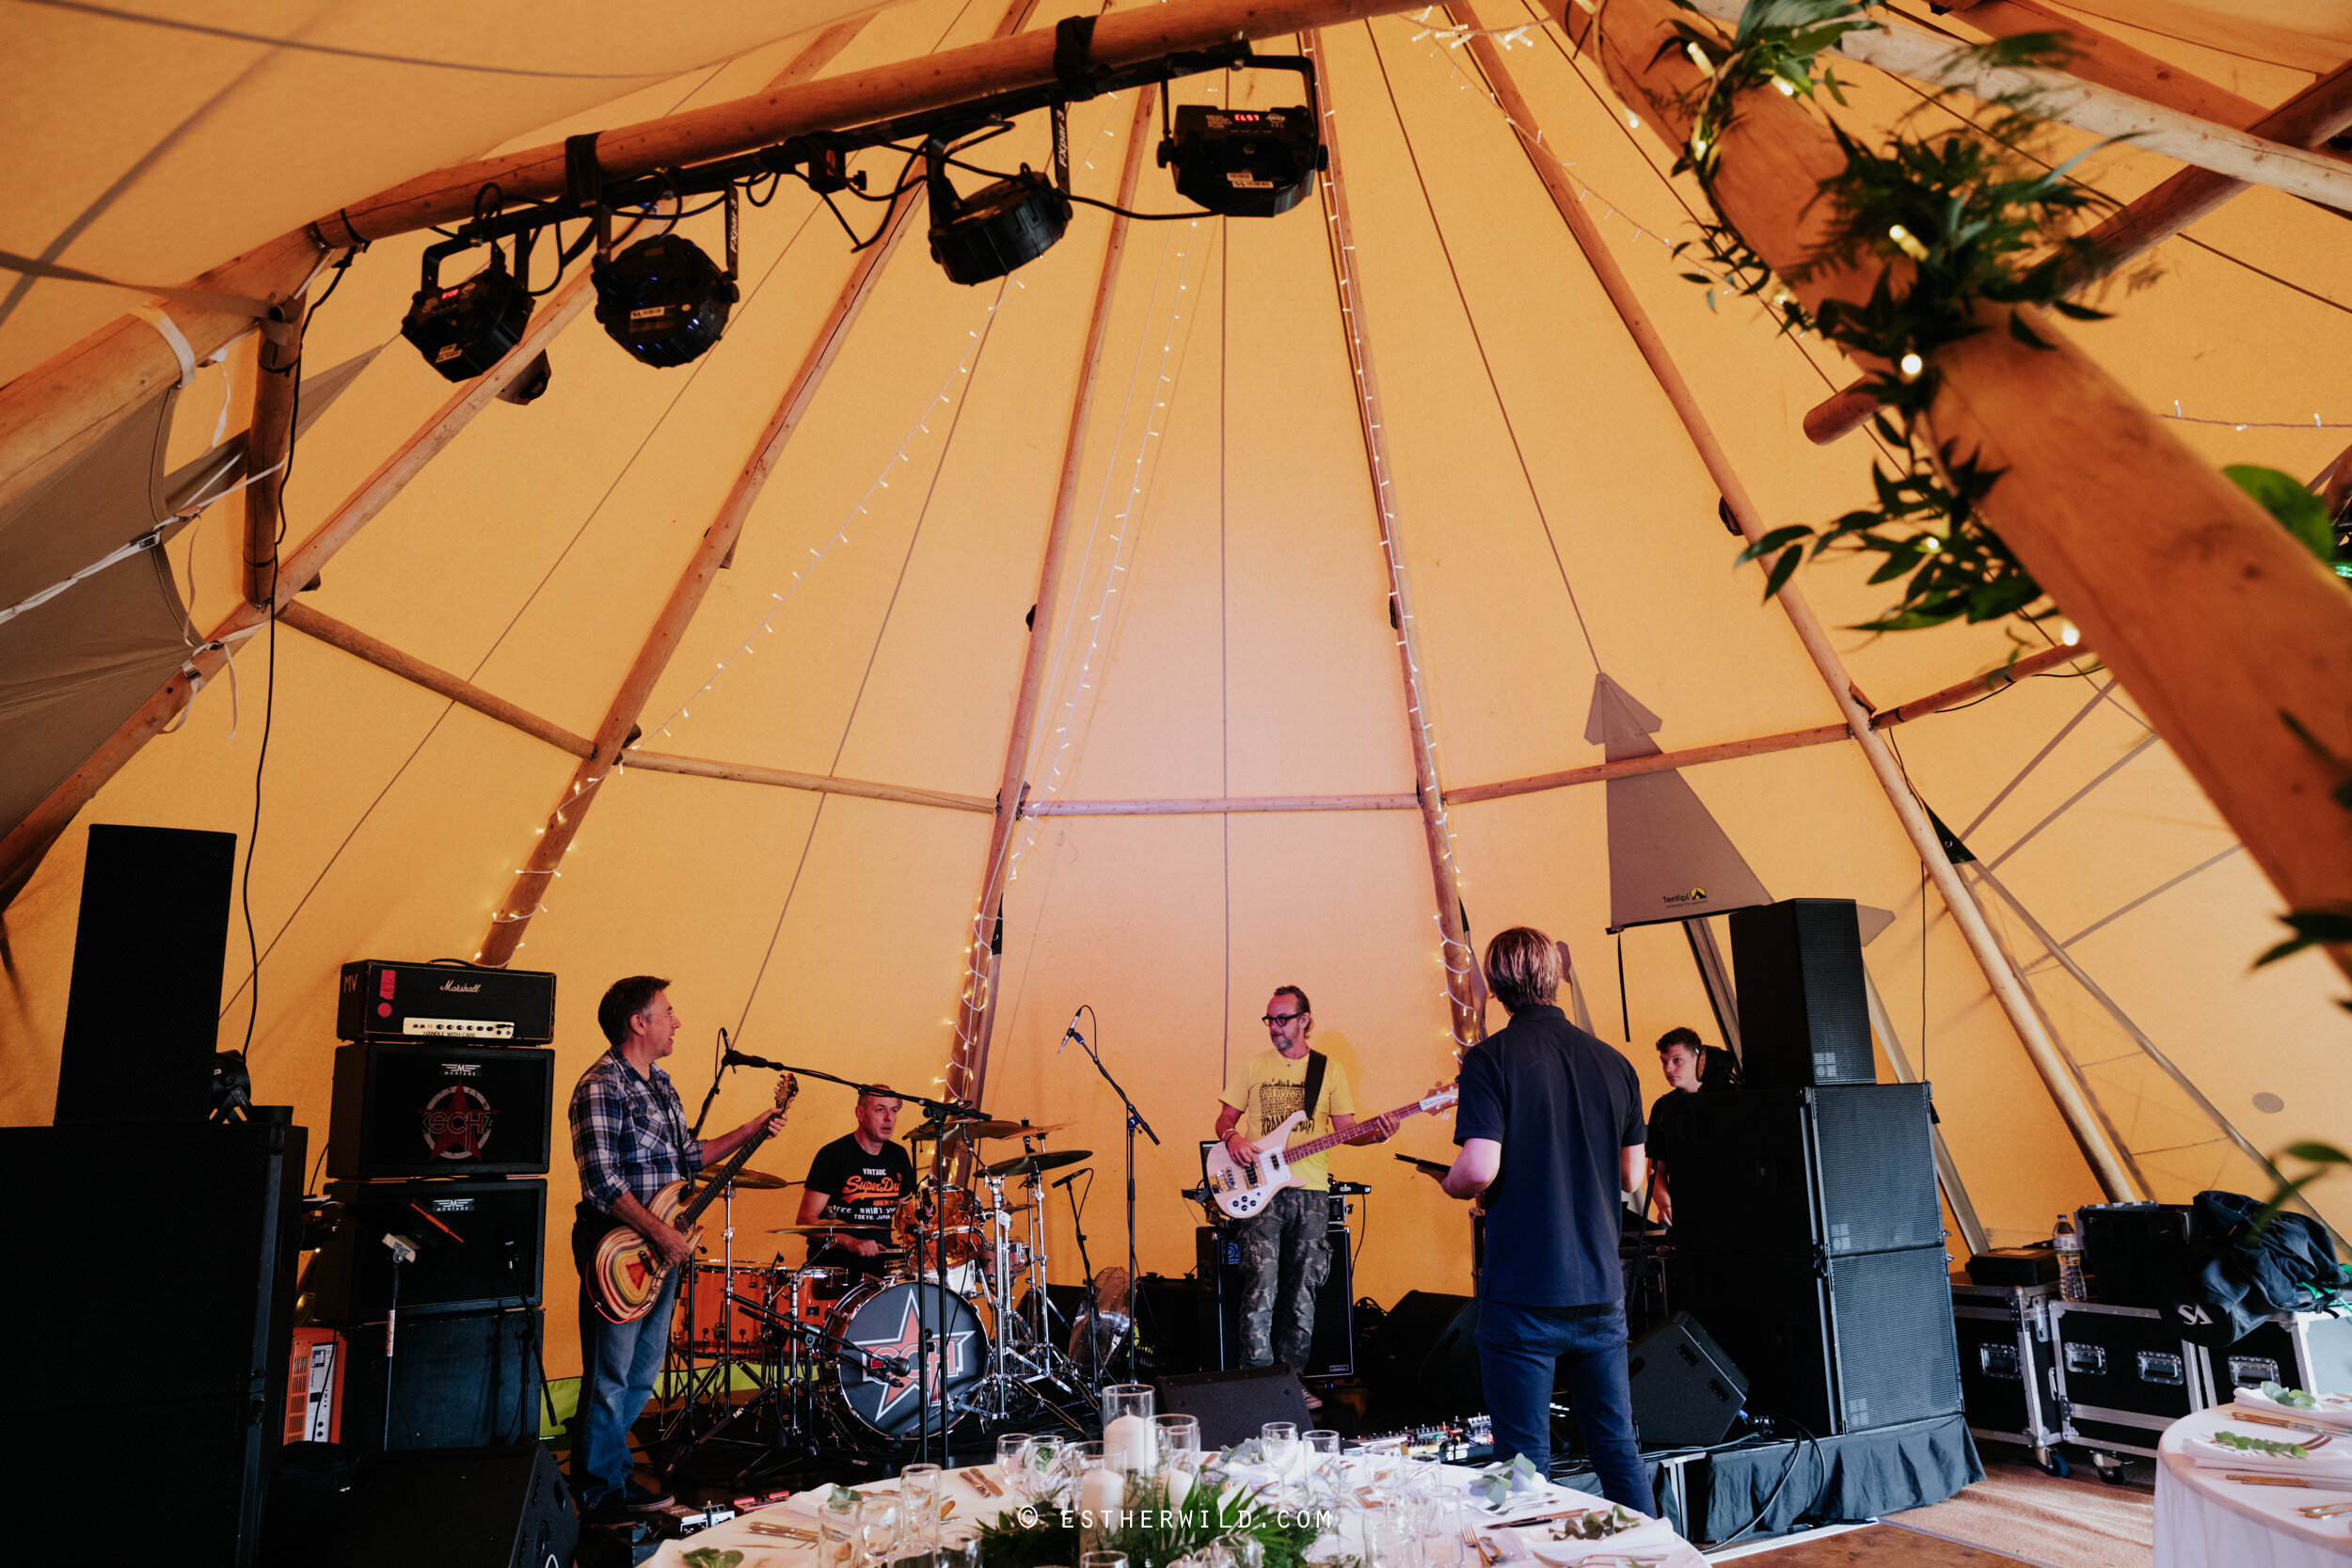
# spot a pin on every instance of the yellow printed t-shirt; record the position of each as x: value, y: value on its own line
x: 1269, y: 1087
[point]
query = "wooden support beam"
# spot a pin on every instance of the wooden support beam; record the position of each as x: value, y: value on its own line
x: 375, y: 651
x: 2322, y: 110
x: 816, y: 784
x: 976, y: 998
x: 2109, y: 61
x: 1223, y: 805
x: 269, y: 440
x: 1634, y: 51
x: 2217, y: 621
x: 1657, y: 762
x: 1465, y: 978
x: 1979, y: 686
x: 26, y: 842
x: 522, y: 900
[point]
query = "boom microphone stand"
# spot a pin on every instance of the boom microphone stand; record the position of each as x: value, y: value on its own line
x: 1135, y: 1124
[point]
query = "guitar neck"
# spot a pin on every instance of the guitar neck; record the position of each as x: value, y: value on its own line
x: 1313, y: 1147
x: 713, y: 1181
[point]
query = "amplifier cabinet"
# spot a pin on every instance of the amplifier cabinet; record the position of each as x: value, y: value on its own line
x: 435, y: 1109
x: 1331, y: 1351
x: 380, y: 1001
x: 2006, y: 1361
x: 478, y: 1247
x: 2122, y: 1374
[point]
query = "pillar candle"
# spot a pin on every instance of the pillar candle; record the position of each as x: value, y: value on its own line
x: 1129, y: 1443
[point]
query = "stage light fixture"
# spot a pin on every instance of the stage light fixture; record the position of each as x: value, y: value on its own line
x: 1003, y: 225
x: 467, y: 327
x: 1244, y: 163
x: 663, y: 300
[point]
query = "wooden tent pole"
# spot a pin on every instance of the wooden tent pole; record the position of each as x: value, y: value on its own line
x: 26, y: 842
x: 2307, y: 120
x: 2226, y: 632
x: 1465, y: 980
x: 976, y: 1000
x: 268, y: 440
x: 816, y: 784
x: 375, y: 651
x: 2100, y: 1154
x: 615, y: 734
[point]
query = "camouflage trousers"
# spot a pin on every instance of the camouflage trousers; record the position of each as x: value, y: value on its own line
x: 1284, y: 1259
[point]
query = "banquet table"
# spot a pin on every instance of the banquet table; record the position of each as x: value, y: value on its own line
x: 2204, y: 1518
x: 1653, y: 1543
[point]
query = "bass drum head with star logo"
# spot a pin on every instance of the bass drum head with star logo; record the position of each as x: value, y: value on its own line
x: 876, y: 1340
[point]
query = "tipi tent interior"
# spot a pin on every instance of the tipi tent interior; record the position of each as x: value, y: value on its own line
x: 1206, y: 605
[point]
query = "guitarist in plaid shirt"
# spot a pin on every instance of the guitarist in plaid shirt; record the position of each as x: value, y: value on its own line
x: 630, y: 1139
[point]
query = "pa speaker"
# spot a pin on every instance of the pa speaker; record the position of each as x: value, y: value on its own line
x: 1686, y: 1392
x: 1330, y: 1351
x: 143, y: 1010
x: 459, y: 1508
x: 1426, y: 1351
x: 1235, y: 1405
x: 1833, y: 1171
x: 1804, y: 1018
x: 453, y: 1380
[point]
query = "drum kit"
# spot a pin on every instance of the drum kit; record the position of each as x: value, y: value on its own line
x: 929, y: 1334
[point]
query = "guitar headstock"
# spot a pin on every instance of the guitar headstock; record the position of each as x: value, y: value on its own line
x: 786, y: 1088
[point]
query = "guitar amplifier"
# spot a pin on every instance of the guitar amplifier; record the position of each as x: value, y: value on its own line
x: 478, y: 1247
x: 413, y: 1110
x: 383, y: 1001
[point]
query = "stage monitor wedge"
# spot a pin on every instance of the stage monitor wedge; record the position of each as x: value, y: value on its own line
x: 1805, y: 1016
x: 142, y: 1015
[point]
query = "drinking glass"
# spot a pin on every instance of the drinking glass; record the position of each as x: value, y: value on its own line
x: 1011, y: 1456
x: 1103, y: 1559
x: 918, y: 1492
x: 1444, y: 1524
x: 880, y: 1519
x: 1178, y: 1439
x: 1279, y: 1441
x: 1327, y: 1475
x: 1391, y: 1540
x: 838, y: 1523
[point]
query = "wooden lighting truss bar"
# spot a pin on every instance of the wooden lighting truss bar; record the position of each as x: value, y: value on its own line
x: 25, y: 842
x: 2322, y: 110
x: 976, y: 1000
x: 1641, y: 22
x: 53, y: 412
x: 522, y: 900
x: 2224, y: 630
x: 269, y: 438
x: 1465, y: 981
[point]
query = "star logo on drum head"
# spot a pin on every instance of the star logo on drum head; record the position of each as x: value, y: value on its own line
x: 897, y: 1384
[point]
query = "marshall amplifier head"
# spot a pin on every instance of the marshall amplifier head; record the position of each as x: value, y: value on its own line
x: 409, y: 1110
x: 382, y: 1001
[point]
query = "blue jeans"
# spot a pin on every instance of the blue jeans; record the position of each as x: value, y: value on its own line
x: 618, y: 1362
x: 1519, y: 1350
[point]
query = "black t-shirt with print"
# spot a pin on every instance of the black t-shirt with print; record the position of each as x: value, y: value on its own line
x: 864, y: 1188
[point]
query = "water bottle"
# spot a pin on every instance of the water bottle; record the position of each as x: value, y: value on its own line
x: 2068, y: 1247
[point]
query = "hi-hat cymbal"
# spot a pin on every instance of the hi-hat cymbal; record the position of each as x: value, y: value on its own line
x: 1029, y: 1165
x: 761, y: 1180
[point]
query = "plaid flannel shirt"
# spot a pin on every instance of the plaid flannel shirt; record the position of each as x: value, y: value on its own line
x: 628, y: 1134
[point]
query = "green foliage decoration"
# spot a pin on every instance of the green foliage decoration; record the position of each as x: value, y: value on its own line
x: 1153, y: 1532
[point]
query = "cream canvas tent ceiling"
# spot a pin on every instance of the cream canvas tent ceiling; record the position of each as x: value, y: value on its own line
x: 1223, y: 629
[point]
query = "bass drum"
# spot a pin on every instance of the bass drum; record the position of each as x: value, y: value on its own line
x: 872, y: 1337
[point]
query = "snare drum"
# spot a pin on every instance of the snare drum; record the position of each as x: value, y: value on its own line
x: 956, y: 1228
x: 814, y: 1294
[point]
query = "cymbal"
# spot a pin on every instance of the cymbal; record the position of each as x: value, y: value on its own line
x: 759, y: 1180
x: 814, y: 1230
x: 929, y: 1131
x: 1029, y: 1165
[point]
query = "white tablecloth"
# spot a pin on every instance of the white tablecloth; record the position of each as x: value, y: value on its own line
x: 2205, y: 1521
x: 1654, y: 1542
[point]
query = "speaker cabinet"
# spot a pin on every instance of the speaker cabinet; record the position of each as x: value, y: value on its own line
x: 1235, y: 1405
x: 434, y: 1109
x: 1834, y: 1170
x: 1686, y: 1392
x: 1804, y: 1018
x: 143, y: 1010
x: 503, y: 1506
x: 478, y: 1247
x: 1842, y: 1344
x: 1331, y: 1351
x: 454, y: 1380
x: 185, y: 1355
x: 1426, y: 1351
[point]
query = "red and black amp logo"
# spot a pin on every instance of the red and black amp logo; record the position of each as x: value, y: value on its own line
x: 457, y: 1123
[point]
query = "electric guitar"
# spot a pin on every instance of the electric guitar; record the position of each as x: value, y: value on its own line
x: 1242, y: 1188
x: 626, y: 1272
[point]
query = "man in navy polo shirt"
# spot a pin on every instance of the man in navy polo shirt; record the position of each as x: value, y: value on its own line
x: 1550, y: 1132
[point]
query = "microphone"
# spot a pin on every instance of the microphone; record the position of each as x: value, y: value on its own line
x: 738, y: 1058
x: 1072, y: 1033
x: 1073, y: 1176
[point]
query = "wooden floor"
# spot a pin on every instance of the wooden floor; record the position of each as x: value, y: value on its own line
x: 1880, y: 1547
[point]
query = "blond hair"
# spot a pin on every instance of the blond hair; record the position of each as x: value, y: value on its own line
x: 1523, y: 968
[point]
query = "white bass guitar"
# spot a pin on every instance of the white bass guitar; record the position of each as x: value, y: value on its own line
x: 1241, y: 1189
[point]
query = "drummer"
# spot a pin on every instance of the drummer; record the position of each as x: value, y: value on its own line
x: 857, y: 1181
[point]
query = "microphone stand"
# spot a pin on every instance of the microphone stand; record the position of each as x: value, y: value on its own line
x: 1134, y: 1123
x: 726, y: 1065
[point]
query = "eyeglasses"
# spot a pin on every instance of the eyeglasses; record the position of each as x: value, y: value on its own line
x: 1276, y: 1020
